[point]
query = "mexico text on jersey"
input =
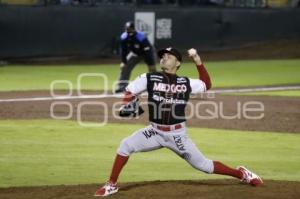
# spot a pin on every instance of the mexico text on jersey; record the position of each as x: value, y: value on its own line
x: 167, y: 95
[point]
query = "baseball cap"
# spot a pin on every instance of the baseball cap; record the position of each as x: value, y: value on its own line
x: 129, y: 25
x: 170, y: 50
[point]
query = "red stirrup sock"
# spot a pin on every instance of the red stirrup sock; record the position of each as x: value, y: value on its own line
x: 220, y: 168
x: 119, y: 163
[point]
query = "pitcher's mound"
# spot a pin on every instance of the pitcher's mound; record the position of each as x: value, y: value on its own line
x: 208, y: 189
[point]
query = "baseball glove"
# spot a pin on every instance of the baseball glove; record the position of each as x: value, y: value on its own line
x: 131, y: 109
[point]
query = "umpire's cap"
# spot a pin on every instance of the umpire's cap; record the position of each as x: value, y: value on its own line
x: 129, y: 25
x: 170, y: 50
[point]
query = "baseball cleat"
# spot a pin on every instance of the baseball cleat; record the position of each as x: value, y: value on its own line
x: 107, y: 189
x: 250, y: 177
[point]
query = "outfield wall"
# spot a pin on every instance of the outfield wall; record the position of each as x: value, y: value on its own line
x: 94, y: 31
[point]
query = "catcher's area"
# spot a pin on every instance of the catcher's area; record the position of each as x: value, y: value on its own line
x: 281, y: 115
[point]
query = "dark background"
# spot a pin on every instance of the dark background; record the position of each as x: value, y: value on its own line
x: 57, y: 31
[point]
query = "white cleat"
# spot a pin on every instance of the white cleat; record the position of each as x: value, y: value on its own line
x: 107, y: 189
x: 250, y: 177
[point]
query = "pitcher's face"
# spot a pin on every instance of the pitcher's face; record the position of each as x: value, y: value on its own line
x: 169, y: 62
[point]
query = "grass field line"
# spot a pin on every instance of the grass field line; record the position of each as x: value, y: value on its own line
x: 219, y: 91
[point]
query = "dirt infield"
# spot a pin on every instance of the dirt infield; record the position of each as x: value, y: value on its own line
x: 281, y: 114
x: 208, y: 189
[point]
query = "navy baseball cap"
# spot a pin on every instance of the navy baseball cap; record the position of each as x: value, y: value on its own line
x: 129, y: 25
x: 170, y: 50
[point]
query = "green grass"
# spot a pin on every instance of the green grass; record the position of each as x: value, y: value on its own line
x: 254, y: 73
x: 223, y: 74
x: 49, y: 152
x: 291, y: 93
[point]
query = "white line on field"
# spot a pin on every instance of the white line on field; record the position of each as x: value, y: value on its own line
x: 238, y: 90
x: 259, y: 89
x: 61, y: 98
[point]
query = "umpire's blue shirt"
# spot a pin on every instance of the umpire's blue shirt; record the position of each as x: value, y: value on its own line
x: 139, y: 44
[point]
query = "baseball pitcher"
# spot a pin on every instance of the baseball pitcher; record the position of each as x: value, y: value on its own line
x: 168, y: 95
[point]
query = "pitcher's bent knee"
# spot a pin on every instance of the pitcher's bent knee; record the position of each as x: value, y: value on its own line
x: 125, y: 148
x: 206, y: 166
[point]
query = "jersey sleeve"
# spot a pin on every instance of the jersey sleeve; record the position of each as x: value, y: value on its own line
x: 197, y: 86
x: 138, y: 85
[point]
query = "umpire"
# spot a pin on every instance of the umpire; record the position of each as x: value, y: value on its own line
x: 135, y: 46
